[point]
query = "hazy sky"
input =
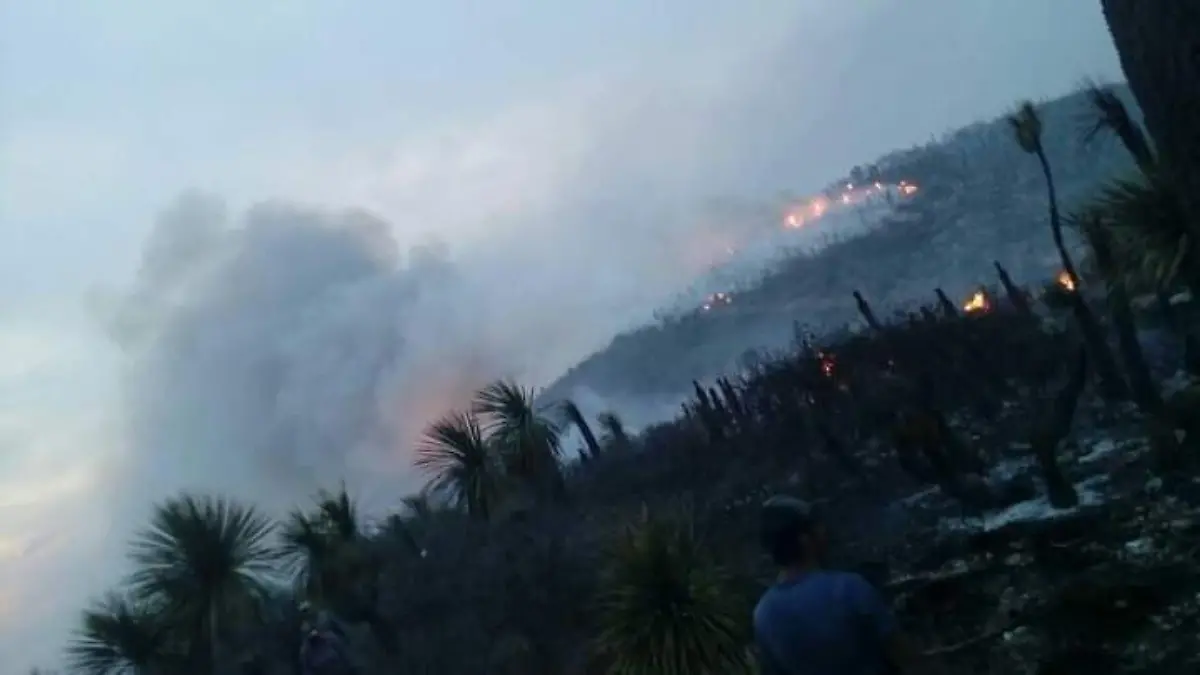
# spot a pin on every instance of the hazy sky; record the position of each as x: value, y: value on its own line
x: 547, y: 130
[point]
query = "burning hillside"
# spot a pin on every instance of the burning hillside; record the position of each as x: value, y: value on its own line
x: 814, y: 208
x: 805, y: 214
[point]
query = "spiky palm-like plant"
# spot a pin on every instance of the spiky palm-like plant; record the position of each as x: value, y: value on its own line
x: 340, y: 513
x: 205, y: 560
x: 461, y: 463
x: 304, y: 548
x: 419, y: 506
x: 1107, y: 114
x: 573, y: 416
x: 1151, y: 238
x: 397, y: 529
x: 1157, y: 43
x: 615, y: 435
x: 1151, y: 244
x: 1142, y: 385
x: 527, y: 440
x: 337, y: 563
x: 1026, y: 126
x: 281, y: 635
x: 320, y: 546
x: 666, y: 608
x: 121, y: 636
x: 1142, y: 218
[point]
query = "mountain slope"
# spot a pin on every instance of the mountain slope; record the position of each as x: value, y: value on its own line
x: 981, y: 200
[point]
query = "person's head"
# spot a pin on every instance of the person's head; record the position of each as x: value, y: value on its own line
x: 791, y: 533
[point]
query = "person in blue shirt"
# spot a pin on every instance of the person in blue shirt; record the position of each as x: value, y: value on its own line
x: 814, y: 621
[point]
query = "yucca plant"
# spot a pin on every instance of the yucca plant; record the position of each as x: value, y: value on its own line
x: 574, y: 417
x: 119, y: 636
x: 1053, y: 428
x: 526, y: 439
x: 1157, y: 43
x: 1141, y: 380
x: 1107, y: 114
x: 1151, y: 241
x: 324, y: 547
x: 204, y: 560
x: 461, y: 464
x: 1026, y: 126
x: 337, y: 565
x: 419, y: 506
x: 1015, y: 294
x: 614, y: 434
x: 666, y: 608
x: 1143, y: 217
x: 307, y: 552
x: 1144, y: 211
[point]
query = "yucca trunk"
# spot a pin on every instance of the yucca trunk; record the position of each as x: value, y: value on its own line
x: 589, y: 439
x: 576, y: 418
x: 1055, y: 427
x: 948, y: 308
x: 867, y: 314
x: 477, y: 506
x: 1015, y: 295
x: 1112, y: 386
x: 1158, y: 42
x: 1142, y: 386
x: 214, y: 640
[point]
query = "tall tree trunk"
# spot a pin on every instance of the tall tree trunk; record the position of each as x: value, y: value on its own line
x: 1159, y: 46
x: 214, y: 640
x: 1112, y: 385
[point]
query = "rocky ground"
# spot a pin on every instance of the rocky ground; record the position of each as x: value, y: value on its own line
x: 1111, y: 586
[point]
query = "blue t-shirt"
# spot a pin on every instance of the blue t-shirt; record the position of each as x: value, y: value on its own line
x: 823, y: 623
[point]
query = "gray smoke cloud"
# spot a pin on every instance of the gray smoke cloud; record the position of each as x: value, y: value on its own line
x: 287, y: 347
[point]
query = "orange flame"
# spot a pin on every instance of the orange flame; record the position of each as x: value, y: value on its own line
x: 978, y: 302
x: 1065, y: 280
x: 814, y: 208
x: 828, y: 362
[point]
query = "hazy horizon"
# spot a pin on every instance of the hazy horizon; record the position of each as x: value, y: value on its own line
x: 252, y: 248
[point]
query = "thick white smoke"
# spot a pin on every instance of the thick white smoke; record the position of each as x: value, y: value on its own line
x: 288, y: 348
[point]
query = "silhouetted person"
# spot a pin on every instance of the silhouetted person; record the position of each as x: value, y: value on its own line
x: 814, y: 621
